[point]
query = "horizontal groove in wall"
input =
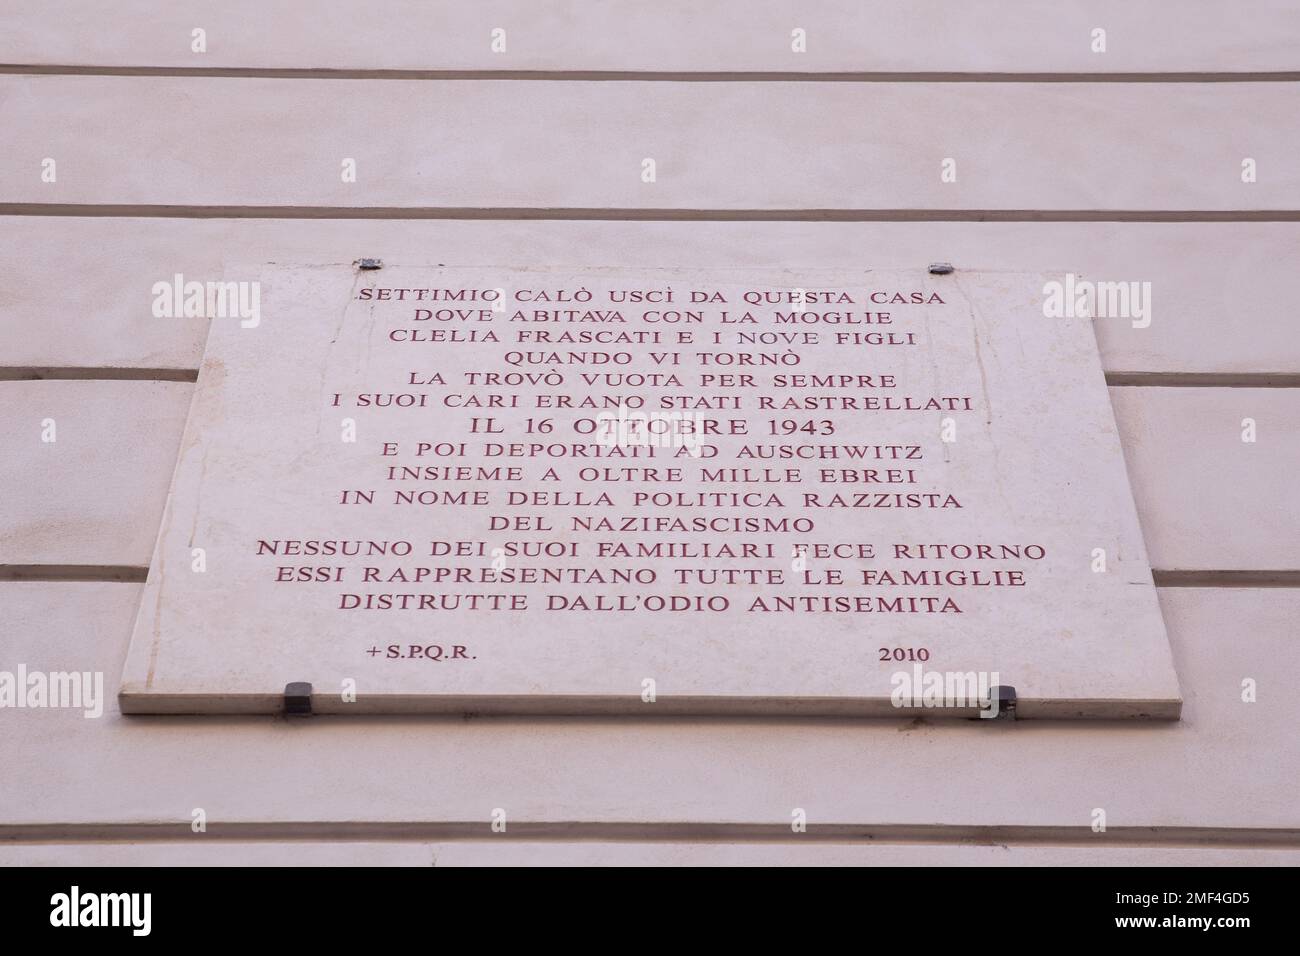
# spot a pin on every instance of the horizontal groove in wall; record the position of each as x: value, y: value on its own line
x: 72, y: 572
x: 340, y: 831
x: 1226, y: 579
x: 29, y: 374
x: 136, y: 211
x: 1204, y: 379
x: 1163, y: 579
x: 660, y: 76
x: 1117, y: 379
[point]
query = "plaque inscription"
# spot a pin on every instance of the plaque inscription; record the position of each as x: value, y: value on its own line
x: 652, y: 492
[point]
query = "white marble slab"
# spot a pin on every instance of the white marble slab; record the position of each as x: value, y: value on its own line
x: 1034, y: 474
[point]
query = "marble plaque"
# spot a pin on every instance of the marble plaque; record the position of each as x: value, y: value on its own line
x: 652, y: 492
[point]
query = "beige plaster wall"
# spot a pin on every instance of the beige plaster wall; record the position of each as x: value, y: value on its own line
x: 179, y: 166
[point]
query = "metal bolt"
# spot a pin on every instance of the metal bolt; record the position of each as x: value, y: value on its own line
x: 297, y: 699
